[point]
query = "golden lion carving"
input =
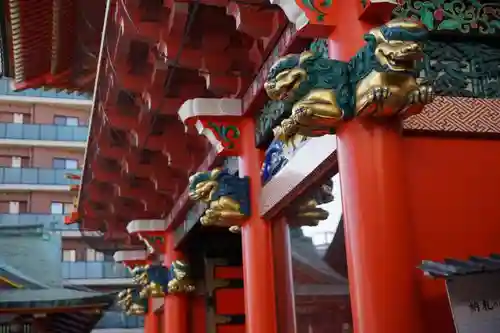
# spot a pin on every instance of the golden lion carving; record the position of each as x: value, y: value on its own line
x: 226, y: 195
x: 381, y: 80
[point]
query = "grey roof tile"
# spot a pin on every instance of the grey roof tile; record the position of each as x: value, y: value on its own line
x: 450, y: 268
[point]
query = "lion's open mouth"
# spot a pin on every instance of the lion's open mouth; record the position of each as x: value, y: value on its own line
x: 402, y: 63
x: 405, y: 57
x: 287, y: 89
x: 404, y: 60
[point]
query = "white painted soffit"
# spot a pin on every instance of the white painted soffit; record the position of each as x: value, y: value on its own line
x: 121, y: 256
x: 205, y: 107
x: 138, y: 226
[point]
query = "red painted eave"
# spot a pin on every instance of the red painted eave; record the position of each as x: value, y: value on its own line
x: 42, y: 43
x: 118, y: 163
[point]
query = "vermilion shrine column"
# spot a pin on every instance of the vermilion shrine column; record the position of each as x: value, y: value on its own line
x: 283, y: 280
x: 151, y: 320
x: 258, y: 272
x: 233, y: 134
x: 176, y: 305
x: 380, y: 257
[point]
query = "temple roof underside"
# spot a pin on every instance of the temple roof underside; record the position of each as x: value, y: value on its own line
x: 52, y: 44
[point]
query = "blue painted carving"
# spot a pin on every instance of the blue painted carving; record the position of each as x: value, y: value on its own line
x: 274, y: 160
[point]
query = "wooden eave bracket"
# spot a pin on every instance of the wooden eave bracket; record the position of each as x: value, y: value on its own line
x: 313, y: 18
x: 131, y: 258
x: 146, y: 227
x: 217, y: 119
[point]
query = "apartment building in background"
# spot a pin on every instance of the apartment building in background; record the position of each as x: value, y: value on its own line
x: 42, y: 138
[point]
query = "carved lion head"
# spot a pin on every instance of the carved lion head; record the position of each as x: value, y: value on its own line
x: 398, y: 45
x: 203, y: 184
x: 286, y: 75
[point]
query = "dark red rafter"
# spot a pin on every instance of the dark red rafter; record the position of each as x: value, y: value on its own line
x: 31, y: 24
x: 137, y: 142
x: 54, y: 43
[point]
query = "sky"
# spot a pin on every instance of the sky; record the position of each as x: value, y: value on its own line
x: 326, y: 229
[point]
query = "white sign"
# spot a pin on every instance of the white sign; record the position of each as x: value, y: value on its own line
x: 475, y: 303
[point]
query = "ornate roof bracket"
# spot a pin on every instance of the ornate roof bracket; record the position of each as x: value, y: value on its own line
x: 151, y: 232
x: 310, y: 17
x: 216, y: 119
x: 131, y: 258
x: 145, y: 226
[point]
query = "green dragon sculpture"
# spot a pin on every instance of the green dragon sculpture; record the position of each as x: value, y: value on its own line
x: 380, y: 80
x: 226, y: 194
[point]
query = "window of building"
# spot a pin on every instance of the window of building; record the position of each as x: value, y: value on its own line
x: 60, y: 120
x: 14, y: 207
x: 71, y: 121
x: 65, y: 121
x: 18, y: 118
x: 93, y: 255
x: 61, y: 207
x: 69, y: 255
x: 64, y: 163
x: 17, y: 161
x: 56, y: 208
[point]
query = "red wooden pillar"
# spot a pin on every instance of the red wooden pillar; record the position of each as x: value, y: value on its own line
x: 175, y: 308
x: 147, y: 323
x: 260, y: 297
x: 283, y: 270
x: 380, y: 257
x: 151, y: 320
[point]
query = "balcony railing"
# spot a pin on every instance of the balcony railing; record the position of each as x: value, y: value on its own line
x: 115, y: 319
x: 94, y: 270
x: 51, y: 221
x: 36, y: 176
x: 5, y: 89
x: 43, y: 132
